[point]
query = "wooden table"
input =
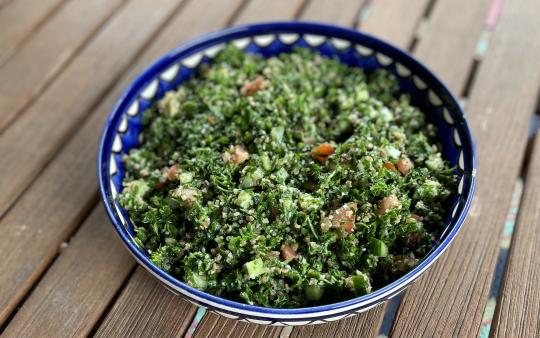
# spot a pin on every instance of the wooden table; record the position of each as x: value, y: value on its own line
x: 63, y: 63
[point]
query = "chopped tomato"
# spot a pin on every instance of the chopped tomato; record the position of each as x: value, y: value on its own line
x: 345, y: 217
x: 288, y: 251
x: 404, y: 166
x: 251, y: 87
x: 417, y: 217
x: 238, y: 155
x: 168, y: 174
x: 322, y: 152
x: 389, y: 166
x: 387, y: 203
x: 171, y: 173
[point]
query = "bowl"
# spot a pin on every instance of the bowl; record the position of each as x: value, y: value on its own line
x: 123, y: 131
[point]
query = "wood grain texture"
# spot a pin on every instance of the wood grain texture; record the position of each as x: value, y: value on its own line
x: 64, y: 177
x: 54, y: 204
x: 341, y: 12
x: 214, y: 325
x: 31, y: 141
x: 47, y: 51
x: 450, y: 299
x: 19, y: 19
x: 78, y: 287
x: 4, y: 3
x: 80, y: 153
x: 260, y: 10
x: 394, y: 21
x: 366, y: 324
x: 449, y: 37
x: 519, y: 299
x: 147, y: 309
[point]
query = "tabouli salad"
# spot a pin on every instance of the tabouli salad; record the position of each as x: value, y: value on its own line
x: 286, y: 182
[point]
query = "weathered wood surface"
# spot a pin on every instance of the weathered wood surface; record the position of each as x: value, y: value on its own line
x: 341, y: 12
x: 450, y: 299
x: 214, y: 325
x: 50, y: 121
x: 394, y: 21
x: 31, y: 141
x: 46, y: 52
x: 258, y: 10
x: 17, y: 22
x: 147, y: 309
x: 366, y: 324
x: 519, y: 301
x: 449, y: 37
x: 54, y: 205
x: 78, y: 286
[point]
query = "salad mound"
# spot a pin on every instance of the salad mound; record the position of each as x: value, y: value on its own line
x: 286, y: 182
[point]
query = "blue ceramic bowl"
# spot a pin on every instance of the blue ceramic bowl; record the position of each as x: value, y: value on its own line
x: 123, y: 132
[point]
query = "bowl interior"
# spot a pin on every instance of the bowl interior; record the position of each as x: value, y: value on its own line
x: 124, y: 128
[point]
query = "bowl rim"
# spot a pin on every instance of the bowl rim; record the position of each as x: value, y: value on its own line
x: 235, y: 307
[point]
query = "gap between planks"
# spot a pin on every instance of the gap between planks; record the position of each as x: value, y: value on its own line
x: 26, y: 22
x: 59, y: 173
x: 468, y: 264
x: 44, y: 204
x: 517, y: 304
x: 28, y: 146
x: 56, y: 45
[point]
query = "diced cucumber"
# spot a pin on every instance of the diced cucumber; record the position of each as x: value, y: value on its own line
x: 244, y: 199
x: 361, y: 284
x: 378, y: 248
x: 265, y: 160
x: 255, y: 267
x: 197, y: 281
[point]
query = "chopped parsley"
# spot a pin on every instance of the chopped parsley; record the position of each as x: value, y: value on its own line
x: 286, y: 182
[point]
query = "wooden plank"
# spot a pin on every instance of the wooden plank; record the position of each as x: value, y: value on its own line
x: 4, y: 3
x: 448, y: 39
x: 34, y: 137
x: 44, y: 216
x: 54, y: 204
x: 450, y: 299
x: 214, y: 325
x: 519, y: 300
x: 342, y: 12
x: 19, y: 19
x: 394, y: 21
x: 78, y: 287
x: 363, y: 325
x: 45, y: 53
x: 261, y: 10
x: 145, y: 308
